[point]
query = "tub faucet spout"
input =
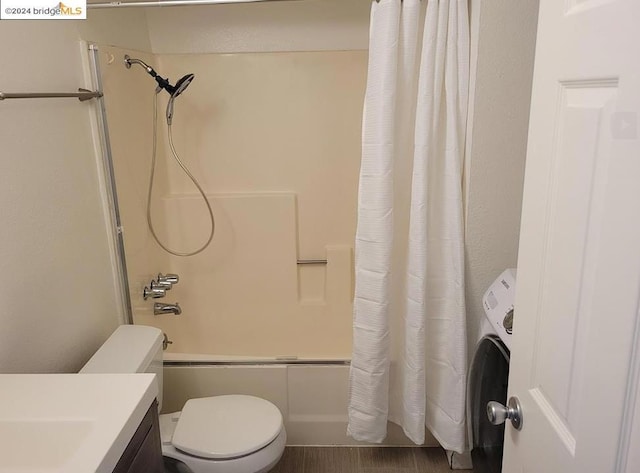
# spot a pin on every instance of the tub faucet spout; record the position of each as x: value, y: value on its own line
x: 160, y: 308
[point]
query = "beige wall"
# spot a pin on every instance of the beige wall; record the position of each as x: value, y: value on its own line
x: 124, y: 27
x: 309, y: 25
x: 274, y: 139
x: 129, y: 95
x: 57, y: 287
x: 497, y: 140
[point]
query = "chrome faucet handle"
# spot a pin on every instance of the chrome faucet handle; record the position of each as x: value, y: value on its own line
x: 163, y: 283
x: 168, y: 278
x: 153, y: 291
x: 159, y: 285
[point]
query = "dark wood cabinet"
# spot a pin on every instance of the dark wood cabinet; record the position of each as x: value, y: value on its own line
x: 144, y: 452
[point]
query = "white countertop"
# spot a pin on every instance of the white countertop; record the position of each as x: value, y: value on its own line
x: 71, y: 423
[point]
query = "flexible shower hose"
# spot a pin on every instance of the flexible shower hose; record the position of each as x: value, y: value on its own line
x: 187, y: 172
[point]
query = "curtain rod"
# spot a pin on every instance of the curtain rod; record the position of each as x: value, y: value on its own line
x: 81, y: 94
x: 171, y: 3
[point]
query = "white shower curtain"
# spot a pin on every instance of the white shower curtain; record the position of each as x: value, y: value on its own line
x: 409, y: 355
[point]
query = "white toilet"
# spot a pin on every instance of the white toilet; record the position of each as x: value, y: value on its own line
x: 220, y: 434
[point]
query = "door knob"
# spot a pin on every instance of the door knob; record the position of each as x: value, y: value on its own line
x: 498, y: 414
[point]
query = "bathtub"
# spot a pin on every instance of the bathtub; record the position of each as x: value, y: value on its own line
x: 312, y: 394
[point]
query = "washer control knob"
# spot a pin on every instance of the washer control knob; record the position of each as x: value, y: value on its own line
x: 507, y: 322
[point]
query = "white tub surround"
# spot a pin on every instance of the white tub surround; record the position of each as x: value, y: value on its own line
x: 71, y: 423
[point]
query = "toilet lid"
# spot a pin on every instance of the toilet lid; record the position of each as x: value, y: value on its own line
x: 226, y: 426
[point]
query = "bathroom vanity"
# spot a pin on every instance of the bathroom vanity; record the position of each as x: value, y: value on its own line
x: 144, y: 452
x: 79, y: 423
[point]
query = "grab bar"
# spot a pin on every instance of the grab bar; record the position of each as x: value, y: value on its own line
x: 312, y: 261
x: 81, y: 94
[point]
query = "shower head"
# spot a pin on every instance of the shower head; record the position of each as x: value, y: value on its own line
x: 173, y: 90
x: 180, y: 87
x: 182, y: 84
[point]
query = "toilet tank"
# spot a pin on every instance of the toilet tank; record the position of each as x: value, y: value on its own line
x: 130, y: 349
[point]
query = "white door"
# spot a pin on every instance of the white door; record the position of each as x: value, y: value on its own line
x: 576, y: 348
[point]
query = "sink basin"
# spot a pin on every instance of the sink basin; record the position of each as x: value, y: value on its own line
x: 70, y: 422
x: 42, y: 445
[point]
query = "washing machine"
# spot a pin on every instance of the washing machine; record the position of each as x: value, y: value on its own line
x: 489, y: 373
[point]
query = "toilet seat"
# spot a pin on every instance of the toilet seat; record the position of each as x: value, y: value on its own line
x: 260, y: 455
x: 224, y: 427
x: 261, y: 461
